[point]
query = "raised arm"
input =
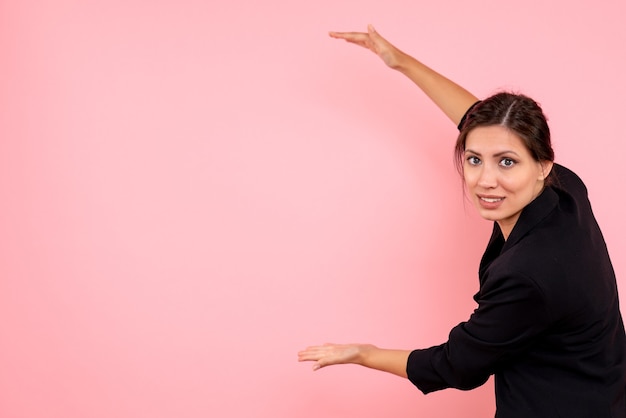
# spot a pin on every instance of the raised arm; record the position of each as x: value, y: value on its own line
x: 451, y: 98
x: 367, y: 355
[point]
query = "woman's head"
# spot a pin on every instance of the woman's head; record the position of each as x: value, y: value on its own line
x: 504, y: 154
x: 516, y: 112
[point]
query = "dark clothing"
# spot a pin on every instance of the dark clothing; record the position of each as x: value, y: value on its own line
x: 548, y: 324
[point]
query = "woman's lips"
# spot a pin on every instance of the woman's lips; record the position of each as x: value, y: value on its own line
x: 490, y: 202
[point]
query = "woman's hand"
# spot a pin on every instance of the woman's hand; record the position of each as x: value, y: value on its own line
x: 371, y: 40
x: 329, y: 354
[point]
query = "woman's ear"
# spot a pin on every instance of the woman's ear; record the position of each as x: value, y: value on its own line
x: 546, y: 168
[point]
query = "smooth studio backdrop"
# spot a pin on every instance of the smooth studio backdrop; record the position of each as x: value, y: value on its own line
x: 192, y: 191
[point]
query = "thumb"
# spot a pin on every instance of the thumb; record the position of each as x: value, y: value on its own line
x: 375, y: 36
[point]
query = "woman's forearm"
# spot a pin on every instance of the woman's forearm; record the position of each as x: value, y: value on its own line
x: 386, y: 360
x: 450, y: 97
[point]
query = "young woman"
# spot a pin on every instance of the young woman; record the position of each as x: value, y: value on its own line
x: 548, y: 324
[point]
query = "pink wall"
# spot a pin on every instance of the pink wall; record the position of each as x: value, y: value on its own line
x: 192, y: 192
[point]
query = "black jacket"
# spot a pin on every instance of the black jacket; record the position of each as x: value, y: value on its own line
x: 548, y: 324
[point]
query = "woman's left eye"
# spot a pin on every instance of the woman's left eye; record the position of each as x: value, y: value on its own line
x: 507, y: 162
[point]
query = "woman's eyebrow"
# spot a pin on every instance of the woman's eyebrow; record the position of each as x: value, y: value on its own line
x: 498, y: 154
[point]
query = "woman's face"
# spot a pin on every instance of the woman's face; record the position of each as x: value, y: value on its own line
x: 501, y: 175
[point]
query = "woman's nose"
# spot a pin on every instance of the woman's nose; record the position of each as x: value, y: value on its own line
x: 488, y: 177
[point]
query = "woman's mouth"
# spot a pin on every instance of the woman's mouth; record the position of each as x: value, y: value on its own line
x: 490, y: 202
x: 492, y: 199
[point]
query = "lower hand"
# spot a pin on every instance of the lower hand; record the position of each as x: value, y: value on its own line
x: 329, y: 354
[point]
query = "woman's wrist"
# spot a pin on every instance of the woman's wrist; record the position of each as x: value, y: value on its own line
x: 401, y: 61
x: 365, y: 354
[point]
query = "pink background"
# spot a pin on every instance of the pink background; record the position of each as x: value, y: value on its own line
x: 193, y: 191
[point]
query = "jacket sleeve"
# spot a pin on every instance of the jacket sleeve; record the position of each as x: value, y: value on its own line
x: 511, y: 312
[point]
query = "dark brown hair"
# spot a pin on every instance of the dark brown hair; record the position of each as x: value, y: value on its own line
x: 516, y: 112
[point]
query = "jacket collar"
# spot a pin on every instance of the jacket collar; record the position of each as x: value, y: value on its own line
x: 531, y: 215
x: 535, y: 212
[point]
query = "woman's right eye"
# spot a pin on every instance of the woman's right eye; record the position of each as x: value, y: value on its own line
x: 473, y: 160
